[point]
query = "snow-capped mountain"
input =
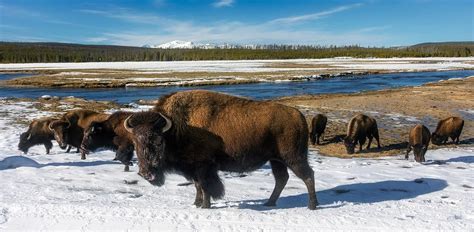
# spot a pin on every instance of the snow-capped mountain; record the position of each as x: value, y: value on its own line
x: 176, y: 44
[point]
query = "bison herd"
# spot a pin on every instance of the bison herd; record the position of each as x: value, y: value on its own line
x: 198, y: 133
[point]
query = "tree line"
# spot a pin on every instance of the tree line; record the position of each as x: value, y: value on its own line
x: 18, y: 52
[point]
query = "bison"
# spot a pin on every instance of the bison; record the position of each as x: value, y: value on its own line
x: 359, y: 128
x: 37, y: 133
x: 418, y: 140
x: 69, y: 129
x: 196, y: 133
x: 318, y: 125
x: 110, y: 134
x: 448, y: 128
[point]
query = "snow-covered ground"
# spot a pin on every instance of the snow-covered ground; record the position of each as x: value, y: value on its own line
x: 390, y: 64
x: 61, y: 192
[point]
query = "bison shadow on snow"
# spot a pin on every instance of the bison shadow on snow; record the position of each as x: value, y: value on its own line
x: 358, y: 193
x: 462, y: 159
x: 14, y: 162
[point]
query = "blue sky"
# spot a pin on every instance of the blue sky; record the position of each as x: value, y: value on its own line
x: 121, y: 22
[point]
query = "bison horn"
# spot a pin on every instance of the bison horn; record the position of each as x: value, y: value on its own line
x: 127, y: 126
x: 29, y: 136
x: 168, y: 123
x: 68, y: 123
x: 50, y: 127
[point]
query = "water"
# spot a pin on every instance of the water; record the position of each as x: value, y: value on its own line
x: 346, y: 84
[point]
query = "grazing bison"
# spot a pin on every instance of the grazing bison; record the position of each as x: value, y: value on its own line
x: 69, y: 129
x: 418, y: 139
x: 448, y: 128
x: 196, y: 133
x: 359, y: 128
x: 112, y: 135
x: 37, y: 133
x: 318, y: 125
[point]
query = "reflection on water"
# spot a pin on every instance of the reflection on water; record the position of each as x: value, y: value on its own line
x: 346, y: 84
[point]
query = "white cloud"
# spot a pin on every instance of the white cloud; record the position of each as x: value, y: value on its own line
x: 223, y: 3
x: 314, y: 16
x: 166, y: 29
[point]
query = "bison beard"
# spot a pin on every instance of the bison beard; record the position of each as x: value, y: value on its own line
x: 196, y: 133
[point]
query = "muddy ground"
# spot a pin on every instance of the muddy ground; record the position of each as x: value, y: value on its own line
x: 395, y: 110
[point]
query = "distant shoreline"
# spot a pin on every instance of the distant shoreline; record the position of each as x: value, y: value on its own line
x: 201, y: 73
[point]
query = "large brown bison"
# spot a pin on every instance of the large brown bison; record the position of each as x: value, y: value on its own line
x: 37, y: 133
x: 418, y: 140
x: 448, y: 128
x: 196, y: 133
x: 318, y: 125
x: 359, y: 128
x: 110, y: 134
x: 69, y: 129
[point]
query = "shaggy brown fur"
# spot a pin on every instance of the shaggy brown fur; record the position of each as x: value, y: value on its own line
x: 37, y: 133
x: 418, y: 139
x: 110, y: 134
x: 69, y: 129
x: 213, y: 131
x: 359, y: 128
x: 318, y: 125
x: 448, y: 128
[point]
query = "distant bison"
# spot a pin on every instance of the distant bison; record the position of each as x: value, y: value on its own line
x: 110, y: 134
x: 318, y: 125
x: 196, y: 133
x: 69, y: 129
x: 359, y: 128
x: 448, y: 128
x: 418, y: 140
x: 37, y: 133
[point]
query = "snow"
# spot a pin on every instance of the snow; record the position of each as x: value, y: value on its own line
x: 390, y: 64
x: 61, y: 192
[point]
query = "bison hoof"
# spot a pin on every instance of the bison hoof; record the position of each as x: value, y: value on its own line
x: 126, y: 168
x: 198, y: 203
x: 269, y: 204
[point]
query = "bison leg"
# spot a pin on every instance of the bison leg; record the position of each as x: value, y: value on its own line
x: 312, y: 138
x: 68, y: 149
x: 78, y: 150
x: 370, y: 142
x: 408, y: 151
x: 199, y: 198
x: 48, y: 145
x: 304, y: 172
x: 317, y: 139
x: 280, y: 172
x: 211, y: 184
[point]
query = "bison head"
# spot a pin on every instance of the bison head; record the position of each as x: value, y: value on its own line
x: 350, y: 144
x: 419, y: 151
x: 149, y: 130
x: 25, y: 142
x: 94, y: 135
x: 60, y: 129
x: 436, y: 138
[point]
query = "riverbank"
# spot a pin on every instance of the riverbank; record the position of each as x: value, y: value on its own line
x: 199, y: 73
x: 396, y: 111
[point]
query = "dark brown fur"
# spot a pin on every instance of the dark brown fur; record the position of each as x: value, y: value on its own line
x: 359, y: 128
x: 69, y: 129
x: 448, y: 128
x: 213, y: 131
x: 37, y: 133
x: 318, y: 125
x: 418, y: 140
x: 110, y: 134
